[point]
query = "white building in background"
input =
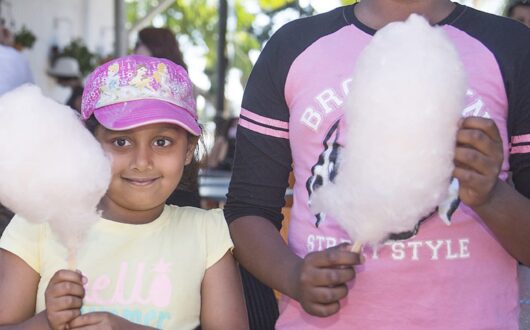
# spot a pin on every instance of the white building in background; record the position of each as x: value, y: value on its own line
x: 57, y: 22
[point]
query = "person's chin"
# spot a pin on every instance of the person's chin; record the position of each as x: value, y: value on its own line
x: 141, y: 205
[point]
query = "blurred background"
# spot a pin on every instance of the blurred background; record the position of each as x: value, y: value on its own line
x: 93, y: 31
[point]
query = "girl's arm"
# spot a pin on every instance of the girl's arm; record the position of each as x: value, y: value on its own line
x: 18, y: 294
x: 222, y: 299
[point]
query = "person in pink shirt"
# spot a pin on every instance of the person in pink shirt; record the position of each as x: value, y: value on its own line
x: 462, y: 276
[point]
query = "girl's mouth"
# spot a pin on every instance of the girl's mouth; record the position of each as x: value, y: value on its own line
x: 140, y: 181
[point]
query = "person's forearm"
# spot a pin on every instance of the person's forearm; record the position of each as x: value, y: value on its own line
x: 262, y: 251
x: 507, y: 214
x: 37, y: 322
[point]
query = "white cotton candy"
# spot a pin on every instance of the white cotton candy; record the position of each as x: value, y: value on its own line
x: 402, y: 117
x: 51, y: 168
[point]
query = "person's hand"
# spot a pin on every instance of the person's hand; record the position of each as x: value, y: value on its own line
x: 103, y: 320
x: 64, y: 297
x: 478, y: 160
x: 322, y: 279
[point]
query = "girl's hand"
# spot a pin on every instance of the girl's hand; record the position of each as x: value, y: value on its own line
x: 64, y: 297
x: 322, y: 279
x: 103, y: 321
x: 478, y: 160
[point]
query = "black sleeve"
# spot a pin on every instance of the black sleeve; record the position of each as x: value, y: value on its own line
x: 263, y: 155
x: 519, y: 119
x: 509, y: 42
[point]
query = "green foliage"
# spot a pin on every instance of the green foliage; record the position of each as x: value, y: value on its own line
x: 271, y: 5
x: 198, y: 20
x: 78, y: 50
x: 25, y: 38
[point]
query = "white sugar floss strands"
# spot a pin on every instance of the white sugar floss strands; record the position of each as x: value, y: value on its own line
x: 402, y: 117
x: 52, y: 169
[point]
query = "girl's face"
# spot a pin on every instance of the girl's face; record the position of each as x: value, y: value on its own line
x: 147, y: 164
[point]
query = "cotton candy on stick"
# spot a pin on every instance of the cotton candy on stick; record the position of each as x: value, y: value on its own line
x: 51, y: 168
x: 402, y: 116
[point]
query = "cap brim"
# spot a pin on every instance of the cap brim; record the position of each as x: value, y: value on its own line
x: 131, y: 114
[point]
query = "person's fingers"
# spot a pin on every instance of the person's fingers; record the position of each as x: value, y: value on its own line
x: 64, y: 316
x: 468, y: 158
x: 475, y: 189
x: 322, y: 310
x: 486, y: 125
x: 328, y: 295
x: 327, y: 276
x: 336, y: 256
x: 66, y: 289
x: 68, y: 276
x: 480, y: 141
x: 85, y: 321
x: 468, y: 178
x: 67, y: 302
x: 94, y: 320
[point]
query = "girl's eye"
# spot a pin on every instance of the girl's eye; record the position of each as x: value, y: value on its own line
x: 162, y: 142
x: 121, y: 142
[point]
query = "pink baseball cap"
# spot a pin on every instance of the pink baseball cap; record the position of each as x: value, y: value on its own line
x: 138, y: 90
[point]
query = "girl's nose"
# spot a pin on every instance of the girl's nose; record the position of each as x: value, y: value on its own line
x: 142, y: 159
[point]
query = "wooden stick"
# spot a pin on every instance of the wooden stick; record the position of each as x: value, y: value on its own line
x: 356, y: 247
x: 71, y: 259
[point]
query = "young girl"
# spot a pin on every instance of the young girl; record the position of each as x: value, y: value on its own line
x: 145, y: 264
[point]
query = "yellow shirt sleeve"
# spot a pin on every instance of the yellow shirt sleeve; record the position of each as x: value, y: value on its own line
x: 218, y: 240
x: 23, y: 239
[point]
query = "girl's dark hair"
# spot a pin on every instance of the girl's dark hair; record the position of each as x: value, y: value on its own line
x: 162, y: 43
x: 91, y: 124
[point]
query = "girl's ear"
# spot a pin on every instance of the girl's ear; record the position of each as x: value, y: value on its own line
x: 192, y: 144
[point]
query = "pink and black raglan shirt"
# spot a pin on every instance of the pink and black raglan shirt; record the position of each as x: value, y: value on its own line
x: 443, y: 277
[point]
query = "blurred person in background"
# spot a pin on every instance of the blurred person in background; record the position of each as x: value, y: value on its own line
x: 159, y: 42
x: 13, y: 65
x: 518, y: 10
x: 224, y: 149
x: 15, y: 71
x: 66, y: 72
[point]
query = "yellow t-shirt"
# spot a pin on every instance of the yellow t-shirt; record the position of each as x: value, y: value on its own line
x: 150, y: 274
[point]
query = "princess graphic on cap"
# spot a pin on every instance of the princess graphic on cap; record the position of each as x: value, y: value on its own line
x: 161, y: 77
x: 109, y: 88
x: 140, y: 80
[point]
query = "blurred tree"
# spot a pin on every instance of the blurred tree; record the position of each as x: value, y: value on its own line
x: 78, y: 50
x: 250, y: 25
